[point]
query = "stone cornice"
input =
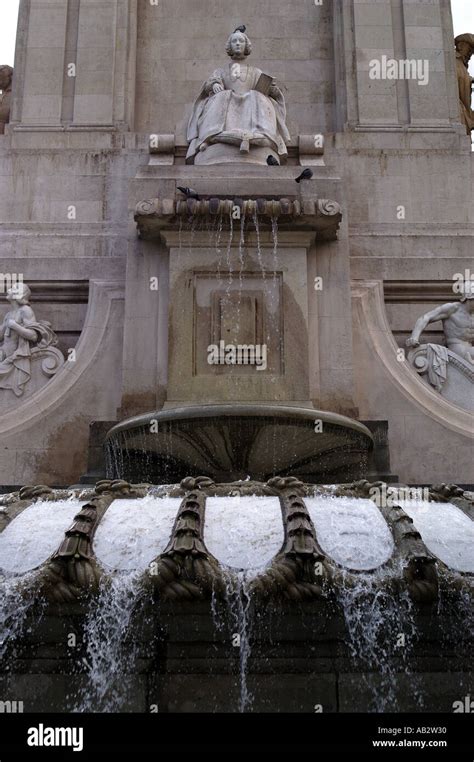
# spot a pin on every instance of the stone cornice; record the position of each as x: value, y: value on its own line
x: 321, y: 217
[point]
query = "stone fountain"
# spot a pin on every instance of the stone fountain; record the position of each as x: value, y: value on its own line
x: 216, y: 569
x: 241, y: 233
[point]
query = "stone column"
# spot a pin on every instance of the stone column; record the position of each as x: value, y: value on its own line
x: 106, y: 53
x: 374, y: 37
x: 367, y: 30
x: 75, y: 64
x: 425, y: 27
x: 330, y: 328
x: 145, y: 355
x: 41, y: 43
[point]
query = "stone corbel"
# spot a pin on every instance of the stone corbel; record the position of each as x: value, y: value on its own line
x: 162, y: 150
x: 323, y: 216
x: 311, y: 150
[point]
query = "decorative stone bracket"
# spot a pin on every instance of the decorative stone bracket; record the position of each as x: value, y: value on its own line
x: 320, y: 215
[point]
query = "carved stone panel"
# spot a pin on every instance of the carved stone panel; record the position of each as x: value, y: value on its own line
x: 238, y: 323
x: 230, y: 317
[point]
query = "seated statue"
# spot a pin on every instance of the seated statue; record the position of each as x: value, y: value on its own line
x: 21, y: 337
x: 458, y: 324
x: 6, y: 76
x: 464, y: 50
x: 240, y: 106
x: 449, y: 369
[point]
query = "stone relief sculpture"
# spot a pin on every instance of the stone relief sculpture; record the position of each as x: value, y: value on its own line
x: 464, y: 50
x: 6, y: 77
x: 23, y: 340
x: 449, y: 369
x: 239, y: 106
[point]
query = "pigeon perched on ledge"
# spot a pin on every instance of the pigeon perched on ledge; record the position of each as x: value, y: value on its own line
x: 188, y: 192
x: 305, y: 175
x: 272, y: 162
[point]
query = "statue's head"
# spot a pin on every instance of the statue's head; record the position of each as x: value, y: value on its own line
x: 465, y: 45
x: 468, y: 292
x: 19, y: 293
x: 6, y: 76
x: 238, y: 46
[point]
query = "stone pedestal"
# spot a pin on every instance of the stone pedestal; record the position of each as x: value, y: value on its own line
x: 224, y: 153
x: 245, y: 262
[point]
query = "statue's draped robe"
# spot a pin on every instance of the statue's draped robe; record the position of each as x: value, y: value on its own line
x: 15, y: 369
x: 464, y: 82
x: 238, y: 109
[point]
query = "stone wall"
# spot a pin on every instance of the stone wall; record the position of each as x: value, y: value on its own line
x: 300, y: 662
x: 180, y: 43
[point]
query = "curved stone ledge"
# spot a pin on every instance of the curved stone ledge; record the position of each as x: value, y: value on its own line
x: 103, y: 296
x: 320, y: 215
x: 370, y: 307
x: 187, y: 571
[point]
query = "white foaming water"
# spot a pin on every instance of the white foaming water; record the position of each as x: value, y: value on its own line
x: 446, y: 531
x: 110, y: 657
x: 35, y: 534
x: 238, y: 605
x: 351, y: 531
x: 375, y: 619
x: 243, y: 532
x: 14, y: 607
x: 133, y: 532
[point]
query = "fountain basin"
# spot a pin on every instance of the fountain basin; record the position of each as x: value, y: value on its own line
x: 232, y: 442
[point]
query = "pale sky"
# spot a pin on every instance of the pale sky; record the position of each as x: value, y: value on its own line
x: 463, y: 16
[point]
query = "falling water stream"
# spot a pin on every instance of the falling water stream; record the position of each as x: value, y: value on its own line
x: 111, y: 644
x: 16, y: 603
x: 244, y: 534
x: 381, y: 632
x: 238, y: 605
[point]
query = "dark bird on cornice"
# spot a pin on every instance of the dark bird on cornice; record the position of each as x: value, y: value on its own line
x: 272, y: 162
x: 188, y: 192
x: 305, y: 175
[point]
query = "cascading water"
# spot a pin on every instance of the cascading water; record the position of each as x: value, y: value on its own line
x: 25, y: 544
x: 275, y: 244
x: 36, y: 533
x: 381, y: 631
x: 239, y: 610
x: 351, y: 531
x: 244, y: 533
x: 16, y: 603
x: 446, y: 530
x: 354, y: 534
x: 111, y: 644
x: 244, y: 539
